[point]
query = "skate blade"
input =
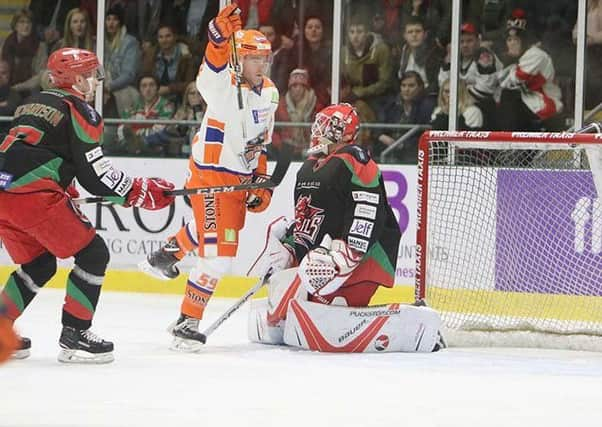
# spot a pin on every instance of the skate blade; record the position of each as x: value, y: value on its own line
x: 21, y: 354
x: 145, y: 267
x: 80, y: 356
x: 183, y: 345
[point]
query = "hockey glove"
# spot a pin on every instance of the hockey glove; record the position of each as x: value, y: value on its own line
x: 9, y: 341
x: 226, y: 23
x: 259, y: 200
x: 324, y: 270
x: 71, y: 191
x: 149, y: 193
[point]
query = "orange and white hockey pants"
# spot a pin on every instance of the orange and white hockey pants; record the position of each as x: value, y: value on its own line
x: 218, y: 218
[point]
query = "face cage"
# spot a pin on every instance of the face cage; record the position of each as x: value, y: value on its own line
x: 325, y: 130
x: 266, y: 66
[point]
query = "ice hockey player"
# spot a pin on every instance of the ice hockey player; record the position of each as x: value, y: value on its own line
x: 344, y: 240
x: 228, y: 149
x: 55, y: 137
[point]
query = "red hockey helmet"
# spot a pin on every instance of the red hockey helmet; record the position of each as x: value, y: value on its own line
x: 334, y: 124
x: 67, y: 63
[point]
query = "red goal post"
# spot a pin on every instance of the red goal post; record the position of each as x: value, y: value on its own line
x: 509, y: 235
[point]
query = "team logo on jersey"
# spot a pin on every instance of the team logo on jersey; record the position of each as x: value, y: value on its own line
x: 94, y: 117
x: 308, y: 220
x: 5, y: 179
x: 361, y: 227
x: 260, y: 115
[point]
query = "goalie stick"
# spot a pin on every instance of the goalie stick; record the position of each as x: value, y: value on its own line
x: 282, y: 164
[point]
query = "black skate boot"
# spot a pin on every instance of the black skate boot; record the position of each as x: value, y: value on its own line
x: 24, y: 349
x: 162, y: 263
x: 186, y: 334
x: 83, y: 346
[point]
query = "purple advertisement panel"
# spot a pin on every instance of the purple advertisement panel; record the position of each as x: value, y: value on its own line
x: 548, y: 233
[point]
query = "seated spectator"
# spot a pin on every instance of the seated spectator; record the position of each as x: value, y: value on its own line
x: 146, y: 138
x: 317, y: 57
x: 180, y: 136
x: 300, y: 104
x: 366, y: 65
x: 121, y: 63
x: 419, y: 54
x: 530, y: 98
x: 593, y: 71
x: 413, y: 107
x: 470, y: 116
x: 78, y: 31
x: 25, y: 54
x: 282, y: 57
x: 478, y: 68
x: 9, y: 98
x: 49, y: 20
x: 171, y: 63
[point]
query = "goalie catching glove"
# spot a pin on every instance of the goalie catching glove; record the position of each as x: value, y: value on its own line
x: 149, y: 193
x: 325, y: 269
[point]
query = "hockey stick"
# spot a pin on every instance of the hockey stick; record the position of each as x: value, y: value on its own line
x: 229, y: 312
x: 282, y: 164
x: 238, y: 78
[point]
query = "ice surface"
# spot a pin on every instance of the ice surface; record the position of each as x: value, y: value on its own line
x: 235, y: 383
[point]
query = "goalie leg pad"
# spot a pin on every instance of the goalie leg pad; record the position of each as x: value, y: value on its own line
x: 259, y: 330
x: 283, y: 287
x: 379, y: 329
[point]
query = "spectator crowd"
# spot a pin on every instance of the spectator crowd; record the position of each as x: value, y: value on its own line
x: 517, y: 64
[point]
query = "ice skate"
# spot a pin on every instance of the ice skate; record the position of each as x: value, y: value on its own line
x: 84, y: 346
x: 23, y: 351
x: 187, y: 337
x: 162, y: 263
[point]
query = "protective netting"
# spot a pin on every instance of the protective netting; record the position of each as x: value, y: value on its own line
x: 514, y: 238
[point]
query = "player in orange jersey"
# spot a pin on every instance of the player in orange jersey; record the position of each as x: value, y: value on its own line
x: 229, y: 149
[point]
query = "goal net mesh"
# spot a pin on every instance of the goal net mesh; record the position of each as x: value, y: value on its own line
x: 513, y: 233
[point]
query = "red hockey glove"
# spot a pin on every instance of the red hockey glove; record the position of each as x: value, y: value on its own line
x: 259, y: 200
x: 226, y: 23
x: 149, y: 193
x: 8, y: 339
x: 72, y: 191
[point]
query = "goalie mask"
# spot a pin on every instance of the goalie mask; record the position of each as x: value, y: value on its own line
x: 335, y: 124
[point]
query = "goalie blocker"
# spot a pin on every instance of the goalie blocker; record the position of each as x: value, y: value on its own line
x: 327, y: 328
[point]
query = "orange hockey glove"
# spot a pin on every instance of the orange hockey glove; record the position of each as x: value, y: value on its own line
x: 259, y: 200
x: 226, y: 23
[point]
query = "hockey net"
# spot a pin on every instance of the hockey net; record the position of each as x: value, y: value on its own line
x: 509, y: 241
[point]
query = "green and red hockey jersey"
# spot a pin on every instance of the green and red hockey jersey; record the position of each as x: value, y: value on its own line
x: 55, y: 137
x: 343, y: 195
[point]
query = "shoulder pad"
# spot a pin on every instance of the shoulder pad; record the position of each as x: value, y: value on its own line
x: 363, y: 169
x: 83, y: 109
x: 359, y: 153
